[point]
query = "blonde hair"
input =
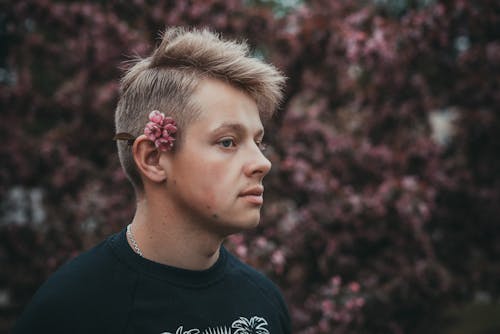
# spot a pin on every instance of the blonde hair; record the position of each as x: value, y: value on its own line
x: 167, y: 79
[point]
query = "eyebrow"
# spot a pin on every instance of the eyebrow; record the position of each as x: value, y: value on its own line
x: 236, y: 127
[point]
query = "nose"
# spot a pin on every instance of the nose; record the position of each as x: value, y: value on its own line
x: 257, y: 163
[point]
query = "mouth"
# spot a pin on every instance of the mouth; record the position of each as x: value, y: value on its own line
x: 253, y: 195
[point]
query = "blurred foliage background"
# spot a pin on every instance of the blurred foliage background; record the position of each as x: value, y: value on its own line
x: 383, y: 205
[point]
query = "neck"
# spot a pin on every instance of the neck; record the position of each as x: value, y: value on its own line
x: 164, y: 238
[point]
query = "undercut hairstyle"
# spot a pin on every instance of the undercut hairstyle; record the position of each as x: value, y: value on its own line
x: 167, y: 79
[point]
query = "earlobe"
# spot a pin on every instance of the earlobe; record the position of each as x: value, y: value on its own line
x: 147, y: 159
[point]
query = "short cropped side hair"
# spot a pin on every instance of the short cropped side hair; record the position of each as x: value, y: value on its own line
x: 167, y: 79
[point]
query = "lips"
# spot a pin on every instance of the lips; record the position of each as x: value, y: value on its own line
x: 253, y: 195
x: 254, y: 191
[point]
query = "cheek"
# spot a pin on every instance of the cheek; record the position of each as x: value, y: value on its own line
x: 210, y: 200
x: 213, y: 204
x: 216, y: 186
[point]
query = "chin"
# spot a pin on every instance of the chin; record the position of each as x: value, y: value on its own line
x: 240, y: 226
x: 252, y: 224
x: 251, y: 221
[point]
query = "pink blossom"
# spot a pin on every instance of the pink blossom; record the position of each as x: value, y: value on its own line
x: 261, y: 242
x: 350, y: 304
x: 167, y: 134
x: 327, y: 307
x: 242, y: 250
x: 156, y: 117
x: 170, y: 128
x: 164, y: 144
x: 355, y: 287
x: 336, y: 280
x: 160, y: 130
x: 278, y: 258
x: 360, y: 301
x: 168, y: 120
x: 152, y: 131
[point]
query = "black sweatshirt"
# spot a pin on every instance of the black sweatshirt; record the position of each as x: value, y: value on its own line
x: 111, y: 289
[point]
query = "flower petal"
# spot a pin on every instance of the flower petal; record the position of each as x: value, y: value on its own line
x: 157, y: 117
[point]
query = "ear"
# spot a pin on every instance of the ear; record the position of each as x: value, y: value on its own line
x: 147, y: 159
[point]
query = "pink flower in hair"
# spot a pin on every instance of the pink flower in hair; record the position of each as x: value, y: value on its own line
x: 152, y: 131
x: 170, y: 127
x: 160, y: 130
x: 164, y: 144
x: 156, y: 117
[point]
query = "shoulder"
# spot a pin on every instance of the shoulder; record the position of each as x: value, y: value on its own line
x: 78, y: 275
x: 75, y: 292
x: 257, y: 281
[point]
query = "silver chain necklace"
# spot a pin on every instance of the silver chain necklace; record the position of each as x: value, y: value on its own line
x: 133, y: 242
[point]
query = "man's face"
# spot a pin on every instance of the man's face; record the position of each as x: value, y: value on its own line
x: 215, y: 178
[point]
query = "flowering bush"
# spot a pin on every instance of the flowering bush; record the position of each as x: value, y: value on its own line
x: 382, y: 204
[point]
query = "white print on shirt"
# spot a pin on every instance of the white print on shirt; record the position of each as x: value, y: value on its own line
x: 254, y: 325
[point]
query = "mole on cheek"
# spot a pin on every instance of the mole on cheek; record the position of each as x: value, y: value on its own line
x: 215, y: 216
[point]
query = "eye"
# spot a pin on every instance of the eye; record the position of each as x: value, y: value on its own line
x: 227, y: 143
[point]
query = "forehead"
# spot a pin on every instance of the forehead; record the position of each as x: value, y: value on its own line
x: 221, y: 104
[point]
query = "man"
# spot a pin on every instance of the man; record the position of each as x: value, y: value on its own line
x: 189, y: 137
